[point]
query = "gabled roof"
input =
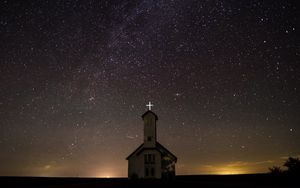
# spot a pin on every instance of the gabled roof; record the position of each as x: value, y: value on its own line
x: 158, y: 147
x: 135, y: 151
x: 149, y: 111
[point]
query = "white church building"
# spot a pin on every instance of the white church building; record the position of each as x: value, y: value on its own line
x: 151, y: 159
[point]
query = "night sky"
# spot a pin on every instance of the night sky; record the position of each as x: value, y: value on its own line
x: 75, y: 77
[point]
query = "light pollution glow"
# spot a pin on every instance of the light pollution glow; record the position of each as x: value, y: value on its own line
x: 237, y: 167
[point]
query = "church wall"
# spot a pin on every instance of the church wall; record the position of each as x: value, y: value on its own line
x: 135, y: 166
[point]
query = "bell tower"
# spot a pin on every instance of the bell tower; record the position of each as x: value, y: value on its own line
x: 149, y: 119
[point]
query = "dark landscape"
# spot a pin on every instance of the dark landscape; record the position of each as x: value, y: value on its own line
x: 210, y: 181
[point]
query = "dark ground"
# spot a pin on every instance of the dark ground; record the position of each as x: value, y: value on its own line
x: 204, y: 181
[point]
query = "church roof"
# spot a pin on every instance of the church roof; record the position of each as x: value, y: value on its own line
x: 135, y: 151
x: 149, y: 111
x: 158, y: 147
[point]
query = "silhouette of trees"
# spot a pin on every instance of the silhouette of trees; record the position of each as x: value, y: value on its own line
x: 276, y: 170
x: 292, y: 164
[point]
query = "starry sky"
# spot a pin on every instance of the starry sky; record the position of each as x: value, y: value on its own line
x: 76, y: 75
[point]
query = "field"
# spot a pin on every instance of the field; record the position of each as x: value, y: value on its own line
x: 204, y: 181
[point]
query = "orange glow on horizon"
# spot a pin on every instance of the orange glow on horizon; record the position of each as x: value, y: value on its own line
x: 231, y: 171
x: 237, y: 167
x: 106, y: 173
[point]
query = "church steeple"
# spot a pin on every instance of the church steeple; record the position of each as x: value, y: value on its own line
x: 150, y: 119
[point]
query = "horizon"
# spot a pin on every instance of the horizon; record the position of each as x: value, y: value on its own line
x: 125, y: 177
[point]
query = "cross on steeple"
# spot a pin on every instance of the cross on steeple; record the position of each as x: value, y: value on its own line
x: 149, y: 105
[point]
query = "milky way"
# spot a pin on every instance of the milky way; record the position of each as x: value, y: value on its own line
x: 76, y: 75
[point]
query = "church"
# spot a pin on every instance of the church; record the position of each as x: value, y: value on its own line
x: 151, y: 160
